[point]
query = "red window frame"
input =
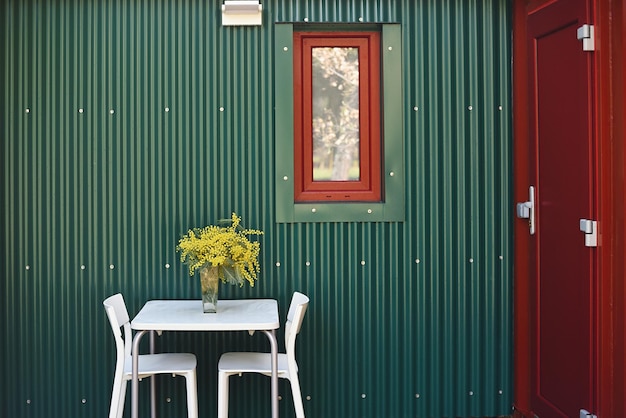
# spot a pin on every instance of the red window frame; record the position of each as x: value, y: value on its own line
x: 368, y: 187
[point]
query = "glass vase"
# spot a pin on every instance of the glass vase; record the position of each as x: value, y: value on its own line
x: 209, y: 285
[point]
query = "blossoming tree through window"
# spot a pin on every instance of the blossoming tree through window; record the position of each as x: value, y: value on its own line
x: 335, y: 113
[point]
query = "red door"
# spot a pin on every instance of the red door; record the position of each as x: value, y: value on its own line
x: 563, y: 295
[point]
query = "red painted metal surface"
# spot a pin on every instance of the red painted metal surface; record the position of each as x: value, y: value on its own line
x: 522, y: 237
x: 618, y: 123
x: 563, y: 294
x: 610, y: 85
x: 611, y: 18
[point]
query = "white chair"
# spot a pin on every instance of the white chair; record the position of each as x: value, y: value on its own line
x: 242, y: 362
x: 181, y: 364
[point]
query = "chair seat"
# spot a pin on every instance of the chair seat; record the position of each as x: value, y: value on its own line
x: 244, y: 362
x: 163, y: 363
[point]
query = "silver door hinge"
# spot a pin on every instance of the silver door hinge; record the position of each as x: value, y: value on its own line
x: 590, y: 228
x: 585, y: 34
x: 586, y: 414
x: 526, y: 210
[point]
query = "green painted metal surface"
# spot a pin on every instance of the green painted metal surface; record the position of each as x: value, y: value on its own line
x: 123, y: 123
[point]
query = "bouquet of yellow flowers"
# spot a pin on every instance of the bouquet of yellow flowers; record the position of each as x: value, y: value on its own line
x: 226, y: 247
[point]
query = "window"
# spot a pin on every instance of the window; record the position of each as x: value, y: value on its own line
x: 365, y: 182
x: 337, y: 116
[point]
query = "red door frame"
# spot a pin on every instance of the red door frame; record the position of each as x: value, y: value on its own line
x: 610, y: 70
x: 611, y: 129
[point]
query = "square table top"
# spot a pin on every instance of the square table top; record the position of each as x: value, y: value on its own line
x: 187, y: 315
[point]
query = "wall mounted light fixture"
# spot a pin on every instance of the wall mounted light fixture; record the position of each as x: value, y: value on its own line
x: 241, y: 13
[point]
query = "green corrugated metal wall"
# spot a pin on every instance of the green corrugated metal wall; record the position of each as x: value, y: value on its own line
x: 125, y: 122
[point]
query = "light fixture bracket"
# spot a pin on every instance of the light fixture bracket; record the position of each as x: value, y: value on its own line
x: 242, y: 13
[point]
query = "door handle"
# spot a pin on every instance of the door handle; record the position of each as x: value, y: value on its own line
x: 526, y: 210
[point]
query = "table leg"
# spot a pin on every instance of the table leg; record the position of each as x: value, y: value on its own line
x: 271, y: 335
x: 135, y: 380
x: 152, y: 379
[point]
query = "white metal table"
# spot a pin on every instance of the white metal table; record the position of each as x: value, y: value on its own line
x: 186, y: 315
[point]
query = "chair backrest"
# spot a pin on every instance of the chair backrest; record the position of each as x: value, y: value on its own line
x: 295, y: 316
x: 118, y: 318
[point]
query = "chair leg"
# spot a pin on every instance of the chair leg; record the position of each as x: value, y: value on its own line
x: 296, y: 395
x: 192, y: 394
x: 222, y: 394
x: 118, y: 395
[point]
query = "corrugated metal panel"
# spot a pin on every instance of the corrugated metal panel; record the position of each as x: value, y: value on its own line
x: 124, y: 123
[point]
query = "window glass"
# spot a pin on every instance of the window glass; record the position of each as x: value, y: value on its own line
x: 335, y: 77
